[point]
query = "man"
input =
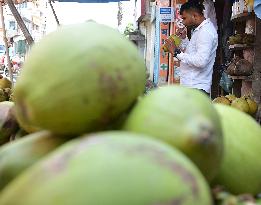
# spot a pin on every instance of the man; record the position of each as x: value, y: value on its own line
x: 197, y: 60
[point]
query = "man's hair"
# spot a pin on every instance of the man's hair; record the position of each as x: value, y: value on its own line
x: 192, y: 5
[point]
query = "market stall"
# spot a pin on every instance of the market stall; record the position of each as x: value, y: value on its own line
x: 240, y: 52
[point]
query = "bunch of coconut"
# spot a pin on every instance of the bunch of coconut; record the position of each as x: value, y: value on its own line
x: 75, y: 84
x: 245, y: 103
x: 225, y: 146
x: 75, y: 87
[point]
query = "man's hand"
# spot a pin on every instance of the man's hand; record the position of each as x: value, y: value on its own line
x: 170, y: 46
x: 182, y: 32
x: 176, y: 52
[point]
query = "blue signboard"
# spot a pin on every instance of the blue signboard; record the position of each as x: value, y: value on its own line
x: 166, y: 14
x: 166, y: 10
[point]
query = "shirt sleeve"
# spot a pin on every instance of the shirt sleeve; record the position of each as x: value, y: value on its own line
x: 184, y: 43
x: 204, y: 49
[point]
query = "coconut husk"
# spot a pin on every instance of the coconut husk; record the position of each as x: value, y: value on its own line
x: 240, y: 67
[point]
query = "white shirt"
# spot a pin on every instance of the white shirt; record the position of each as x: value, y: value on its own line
x: 196, y: 66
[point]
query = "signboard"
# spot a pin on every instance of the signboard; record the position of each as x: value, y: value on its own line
x: 168, y: 20
x: 160, y: 74
x: 166, y: 14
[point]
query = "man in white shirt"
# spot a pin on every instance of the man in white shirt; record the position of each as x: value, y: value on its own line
x: 197, y: 60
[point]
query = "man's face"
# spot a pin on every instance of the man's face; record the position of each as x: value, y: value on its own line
x: 188, y: 19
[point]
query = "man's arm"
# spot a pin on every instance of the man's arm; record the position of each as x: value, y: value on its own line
x: 184, y: 44
x: 182, y: 34
x: 204, y: 48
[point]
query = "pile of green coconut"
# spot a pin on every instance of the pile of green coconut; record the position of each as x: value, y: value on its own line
x: 245, y: 103
x: 81, y: 132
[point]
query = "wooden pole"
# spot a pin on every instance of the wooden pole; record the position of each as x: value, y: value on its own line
x: 6, y: 44
x: 20, y: 22
x: 55, y: 16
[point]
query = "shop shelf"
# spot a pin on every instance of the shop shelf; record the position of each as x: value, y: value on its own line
x: 240, y: 46
x: 246, y: 78
x: 242, y: 17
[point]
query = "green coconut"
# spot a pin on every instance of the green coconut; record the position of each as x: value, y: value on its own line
x: 186, y: 119
x: 240, y: 104
x: 176, y: 39
x: 76, y: 81
x: 231, y: 97
x: 222, y: 100
x: 5, y: 83
x: 20, y: 154
x: 240, y: 170
x: 113, y: 168
x: 253, y: 107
